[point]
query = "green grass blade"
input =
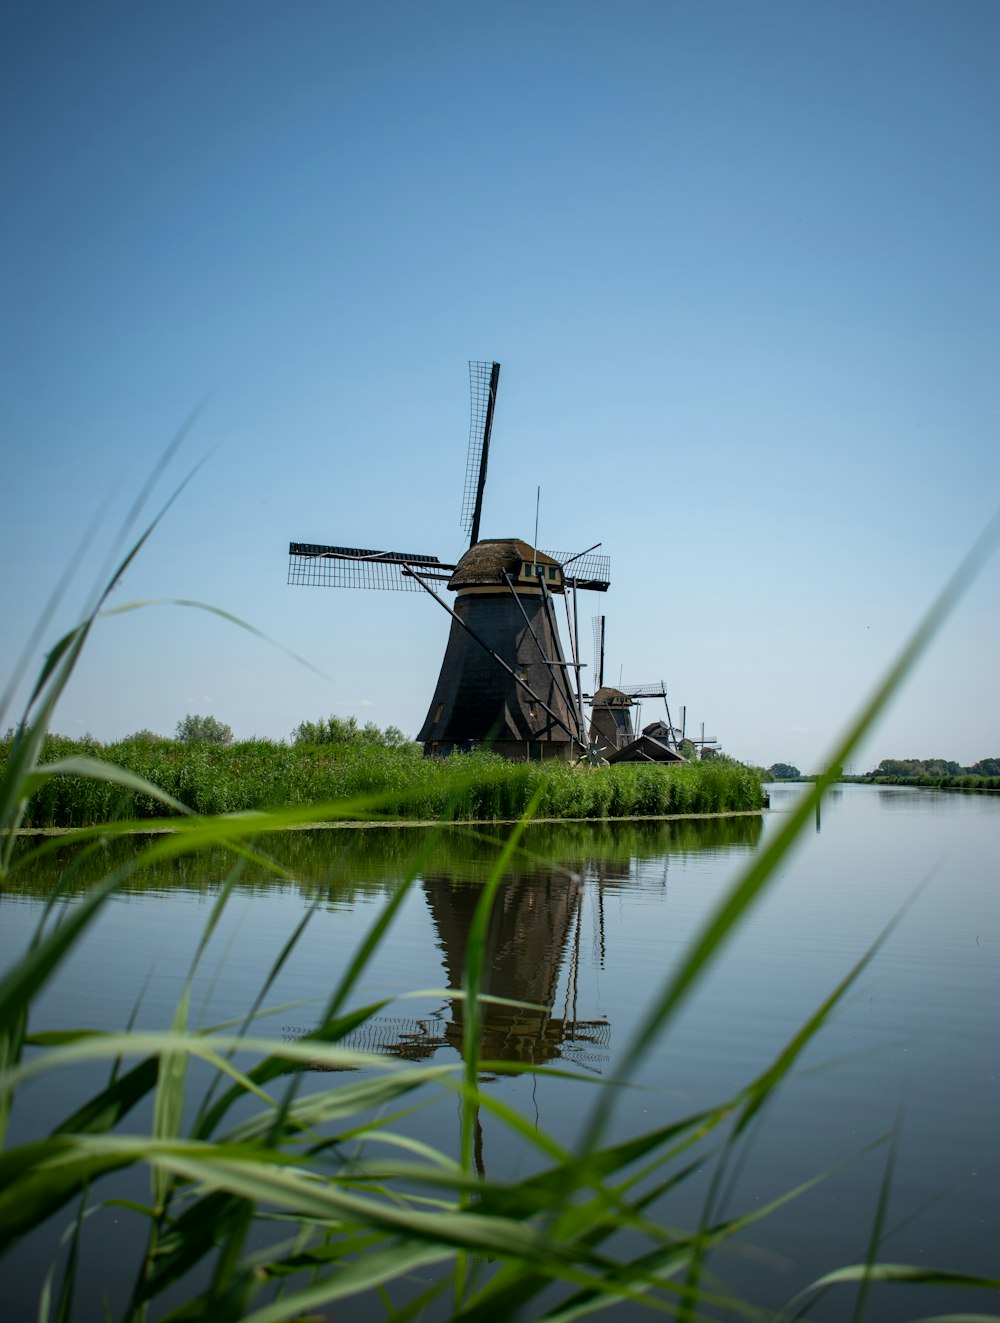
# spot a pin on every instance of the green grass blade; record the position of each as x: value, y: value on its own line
x: 908, y: 1273
x: 191, y: 605
x: 878, y: 1224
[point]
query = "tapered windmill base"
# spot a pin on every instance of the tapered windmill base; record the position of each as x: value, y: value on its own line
x: 503, y: 684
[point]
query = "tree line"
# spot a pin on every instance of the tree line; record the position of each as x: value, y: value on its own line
x: 197, y: 729
x: 910, y: 768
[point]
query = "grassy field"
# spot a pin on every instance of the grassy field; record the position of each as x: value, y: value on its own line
x: 388, y: 783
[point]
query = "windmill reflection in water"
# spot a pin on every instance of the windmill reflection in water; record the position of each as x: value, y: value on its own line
x: 533, y: 931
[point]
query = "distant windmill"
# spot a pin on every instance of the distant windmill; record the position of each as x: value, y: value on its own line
x: 504, y: 680
x: 612, y: 729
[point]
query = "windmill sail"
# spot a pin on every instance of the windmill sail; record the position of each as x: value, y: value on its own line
x: 598, y: 623
x: 483, y: 381
x: 355, y: 567
x: 584, y: 570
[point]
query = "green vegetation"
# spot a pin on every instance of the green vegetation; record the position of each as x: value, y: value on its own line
x: 936, y: 772
x: 202, y: 730
x: 338, y: 730
x: 784, y: 772
x: 293, y: 1202
x: 394, y: 780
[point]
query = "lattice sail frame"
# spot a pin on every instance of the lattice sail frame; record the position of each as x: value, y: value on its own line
x: 654, y: 689
x: 479, y: 398
x: 586, y: 1043
x: 587, y: 571
x: 598, y: 626
x: 318, y: 566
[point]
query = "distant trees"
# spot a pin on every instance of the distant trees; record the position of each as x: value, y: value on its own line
x: 937, y: 772
x: 194, y: 729
x: 345, y: 730
x: 908, y: 767
x: 784, y: 771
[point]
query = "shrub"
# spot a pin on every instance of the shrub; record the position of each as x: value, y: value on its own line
x: 203, y: 730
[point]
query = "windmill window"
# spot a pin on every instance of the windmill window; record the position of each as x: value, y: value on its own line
x: 552, y: 571
x: 439, y: 713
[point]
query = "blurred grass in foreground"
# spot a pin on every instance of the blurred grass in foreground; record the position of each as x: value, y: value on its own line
x: 293, y: 1202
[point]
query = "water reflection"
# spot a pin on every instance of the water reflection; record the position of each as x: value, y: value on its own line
x: 927, y: 798
x: 345, y: 865
x: 533, y: 938
x: 534, y: 928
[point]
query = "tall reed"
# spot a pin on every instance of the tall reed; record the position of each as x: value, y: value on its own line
x: 259, y: 775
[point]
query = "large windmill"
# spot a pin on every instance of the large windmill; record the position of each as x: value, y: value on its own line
x: 504, y: 682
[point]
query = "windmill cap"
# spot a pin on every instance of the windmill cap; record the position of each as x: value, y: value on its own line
x: 484, y: 564
x: 612, y: 698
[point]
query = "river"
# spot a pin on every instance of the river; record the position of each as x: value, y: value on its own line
x: 587, y: 927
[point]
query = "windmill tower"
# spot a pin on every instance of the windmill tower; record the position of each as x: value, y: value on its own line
x: 505, y: 682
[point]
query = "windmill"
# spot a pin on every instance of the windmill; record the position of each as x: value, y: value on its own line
x: 504, y: 680
x: 612, y: 729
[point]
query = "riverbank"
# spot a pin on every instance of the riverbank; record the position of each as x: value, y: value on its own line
x: 429, y: 824
x: 375, y: 784
x: 967, y: 781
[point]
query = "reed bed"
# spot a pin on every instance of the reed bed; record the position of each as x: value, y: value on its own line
x: 259, y: 775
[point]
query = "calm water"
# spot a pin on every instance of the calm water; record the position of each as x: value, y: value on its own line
x: 588, y: 929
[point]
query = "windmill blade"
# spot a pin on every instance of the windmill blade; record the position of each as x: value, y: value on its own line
x: 598, y: 623
x: 483, y: 381
x: 583, y: 569
x: 655, y: 689
x: 319, y: 566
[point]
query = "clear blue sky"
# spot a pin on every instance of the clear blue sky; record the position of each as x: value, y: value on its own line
x: 739, y: 262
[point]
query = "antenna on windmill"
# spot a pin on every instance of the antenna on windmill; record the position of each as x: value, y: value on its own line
x: 483, y: 381
x: 538, y: 506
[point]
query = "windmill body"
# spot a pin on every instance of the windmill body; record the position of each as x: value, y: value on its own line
x: 506, y: 595
x: 505, y: 683
x: 611, y: 719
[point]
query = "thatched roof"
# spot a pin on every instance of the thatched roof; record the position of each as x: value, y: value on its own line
x: 607, y: 696
x: 484, y: 564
